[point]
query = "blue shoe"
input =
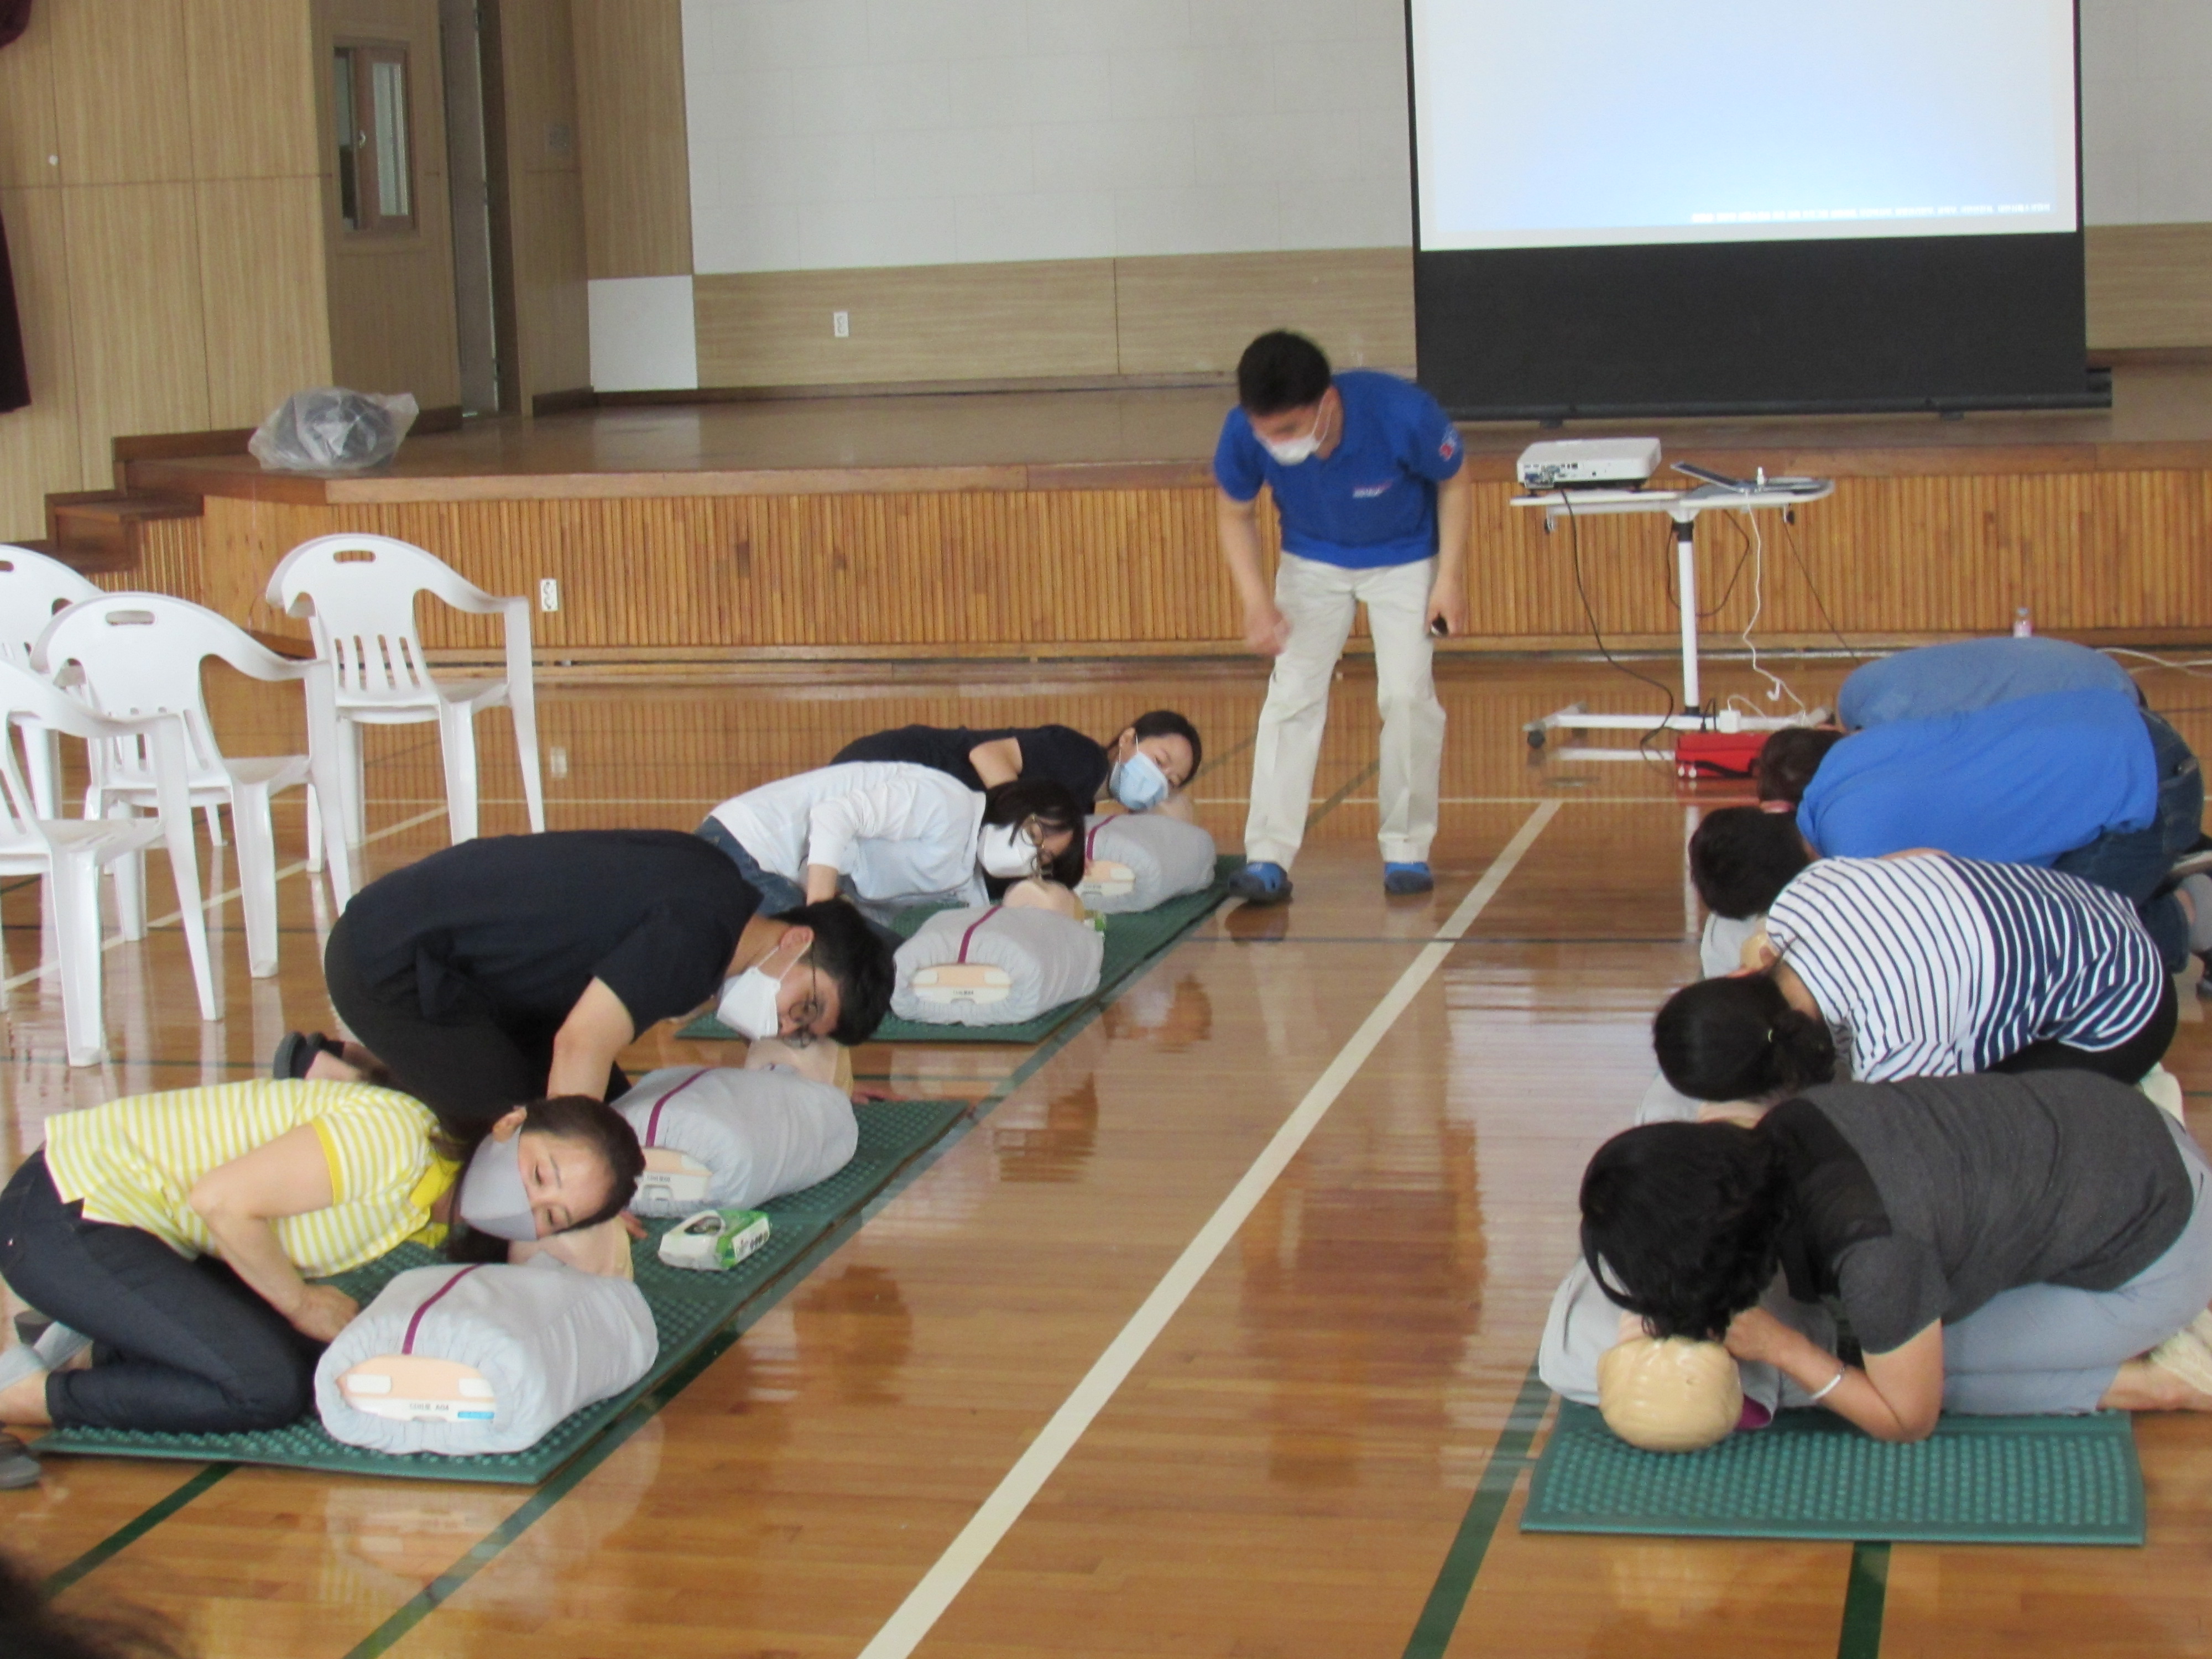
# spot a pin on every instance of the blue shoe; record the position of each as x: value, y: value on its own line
x: 1260, y: 883
x: 1400, y: 879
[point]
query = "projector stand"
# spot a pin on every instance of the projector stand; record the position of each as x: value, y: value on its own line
x: 1683, y: 507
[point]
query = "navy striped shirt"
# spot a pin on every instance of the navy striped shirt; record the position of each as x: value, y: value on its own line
x: 1931, y: 966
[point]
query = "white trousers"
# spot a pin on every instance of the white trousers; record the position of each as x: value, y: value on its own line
x: 1318, y: 600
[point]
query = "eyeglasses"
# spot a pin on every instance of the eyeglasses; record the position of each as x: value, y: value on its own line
x: 806, y: 1013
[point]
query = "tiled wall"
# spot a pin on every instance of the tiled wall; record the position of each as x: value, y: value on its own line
x: 837, y: 133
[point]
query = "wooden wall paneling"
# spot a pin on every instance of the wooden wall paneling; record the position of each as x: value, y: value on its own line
x: 2149, y: 286
x: 119, y: 91
x: 546, y: 197
x: 137, y: 318
x: 39, y: 448
x: 1195, y: 314
x: 250, y: 70
x: 943, y: 571
x: 915, y: 322
x: 30, y: 129
x: 266, y: 293
x: 632, y: 137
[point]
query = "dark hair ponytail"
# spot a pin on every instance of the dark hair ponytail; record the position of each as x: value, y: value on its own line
x: 1738, y: 1038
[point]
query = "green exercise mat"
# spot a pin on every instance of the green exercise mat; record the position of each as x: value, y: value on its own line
x: 1975, y: 1480
x: 688, y: 1308
x: 1132, y: 940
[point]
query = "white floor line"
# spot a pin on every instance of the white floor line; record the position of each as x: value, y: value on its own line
x: 208, y: 906
x: 926, y: 1604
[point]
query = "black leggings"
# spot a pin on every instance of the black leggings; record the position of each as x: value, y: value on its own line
x: 2125, y: 1064
x: 183, y: 1347
x: 471, y: 1067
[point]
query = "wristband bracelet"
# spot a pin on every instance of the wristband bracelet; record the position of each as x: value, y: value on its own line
x: 1833, y: 1382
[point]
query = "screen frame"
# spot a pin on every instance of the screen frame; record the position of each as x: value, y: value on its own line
x: 1795, y: 325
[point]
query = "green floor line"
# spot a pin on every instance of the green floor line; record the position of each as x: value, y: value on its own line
x: 1432, y: 1630
x: 1864, y: 1598
x: 135, y: 1528
x: 1337, y: 799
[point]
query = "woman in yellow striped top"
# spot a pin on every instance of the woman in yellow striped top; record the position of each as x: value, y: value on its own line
x: 180, y: 1232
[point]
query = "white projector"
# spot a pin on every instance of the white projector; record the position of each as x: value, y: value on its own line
x: 1588, y: 462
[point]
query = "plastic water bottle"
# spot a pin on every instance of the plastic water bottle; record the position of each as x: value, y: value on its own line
x: 2023, y: 625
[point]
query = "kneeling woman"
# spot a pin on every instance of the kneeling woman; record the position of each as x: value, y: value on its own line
x: 180, y: 1232
x: 1999, y: 1245
x: 1925, y: 965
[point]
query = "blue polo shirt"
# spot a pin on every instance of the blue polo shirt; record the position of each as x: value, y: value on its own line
x: 1969, y: 674
x: 1372, y: 502
x: 2023, y: 782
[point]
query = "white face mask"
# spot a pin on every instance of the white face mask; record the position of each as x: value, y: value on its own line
x: 749, y: 1005
x: 493, y: 1197
x: 1138, y: 782
x: 1005, y: 852
x: 1289, y: 451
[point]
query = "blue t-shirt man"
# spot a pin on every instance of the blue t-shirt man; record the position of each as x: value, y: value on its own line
x: 1371, y: 501
x: 1966, y: 675
x: 2024, y: 781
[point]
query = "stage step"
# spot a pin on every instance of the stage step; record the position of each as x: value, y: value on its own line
x: 98, y: 530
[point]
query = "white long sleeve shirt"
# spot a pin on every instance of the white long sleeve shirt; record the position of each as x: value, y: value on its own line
x: 898, y: 830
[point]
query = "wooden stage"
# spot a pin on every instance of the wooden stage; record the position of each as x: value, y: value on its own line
x: 1071, y: 523
x: 1313, y: 1458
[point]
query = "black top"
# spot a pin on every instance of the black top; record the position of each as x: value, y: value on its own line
x: 521, y: 925
x: 1055, y: 754
x: 1921, y: 1200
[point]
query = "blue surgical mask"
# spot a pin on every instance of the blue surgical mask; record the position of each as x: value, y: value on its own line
x: 1138, y: 782
x: 493, y: 1197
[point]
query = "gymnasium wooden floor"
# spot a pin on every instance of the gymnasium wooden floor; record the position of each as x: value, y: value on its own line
x: 1314, y: 1454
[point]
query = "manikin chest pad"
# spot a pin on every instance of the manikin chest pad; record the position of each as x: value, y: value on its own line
x: 1137, y: 860
x: 460, y: 1360
x: 720, y: 1138
x: 994, y: 966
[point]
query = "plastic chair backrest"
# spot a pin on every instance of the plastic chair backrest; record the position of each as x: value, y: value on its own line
x: 25, y: 695
x: 141, y: 654
x: 363, y: 588
x: 32, y: 588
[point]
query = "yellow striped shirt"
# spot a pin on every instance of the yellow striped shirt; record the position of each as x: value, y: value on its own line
x: 134, y: 1162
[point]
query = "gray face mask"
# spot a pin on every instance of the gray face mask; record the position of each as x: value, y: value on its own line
x: 493, y: 1197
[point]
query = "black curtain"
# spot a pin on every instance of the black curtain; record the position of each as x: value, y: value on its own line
x: 15, y: 379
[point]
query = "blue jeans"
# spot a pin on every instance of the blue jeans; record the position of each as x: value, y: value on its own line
x: 2134, y: 865
x: 778, y: 893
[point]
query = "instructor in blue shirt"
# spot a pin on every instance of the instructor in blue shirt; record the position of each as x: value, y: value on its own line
x: 1370, y: 486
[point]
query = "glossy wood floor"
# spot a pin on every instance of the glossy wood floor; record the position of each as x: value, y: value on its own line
x: 1286, y: 1470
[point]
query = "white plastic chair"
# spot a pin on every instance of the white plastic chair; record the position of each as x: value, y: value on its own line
x: 69, y: 854
x: 358, y: 593
x: 142, y: 654
x: 32, y: 588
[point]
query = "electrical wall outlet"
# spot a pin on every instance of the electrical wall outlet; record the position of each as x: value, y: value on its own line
x: 549, y: 594
x: 556, y: 761
x: 840, y: 324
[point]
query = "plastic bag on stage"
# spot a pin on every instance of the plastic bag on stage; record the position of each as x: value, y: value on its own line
x: 330, y: 429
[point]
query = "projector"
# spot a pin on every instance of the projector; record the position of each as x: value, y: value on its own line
x: 1589, y: 463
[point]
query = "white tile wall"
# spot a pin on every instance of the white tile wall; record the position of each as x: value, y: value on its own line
x: 830, y: 133
x: 2146, y: 112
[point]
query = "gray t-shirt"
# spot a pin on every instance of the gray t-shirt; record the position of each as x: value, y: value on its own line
x: 1921, y: 1200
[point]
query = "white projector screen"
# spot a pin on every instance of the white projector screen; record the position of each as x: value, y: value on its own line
x: 1580, y: 123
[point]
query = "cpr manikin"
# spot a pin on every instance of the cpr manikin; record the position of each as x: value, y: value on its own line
x: 1669, y: 1395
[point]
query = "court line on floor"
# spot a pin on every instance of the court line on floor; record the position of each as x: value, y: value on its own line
x: 1432, y: 1630
x: 1866, y: 1596
x: 928, y: 1601
x: 210, y: 905
x: 135, y: 1528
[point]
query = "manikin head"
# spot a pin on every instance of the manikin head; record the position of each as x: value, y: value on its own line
x: 1035, y: 895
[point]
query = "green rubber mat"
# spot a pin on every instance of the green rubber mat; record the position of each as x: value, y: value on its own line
x: 1132, y: 942
x: 688, y: 1308
x: 1975, y: 1480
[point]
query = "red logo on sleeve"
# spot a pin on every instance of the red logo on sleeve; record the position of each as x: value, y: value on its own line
x: 1449, y: 446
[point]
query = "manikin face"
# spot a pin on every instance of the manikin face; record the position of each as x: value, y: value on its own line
x: 1035, y: 895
